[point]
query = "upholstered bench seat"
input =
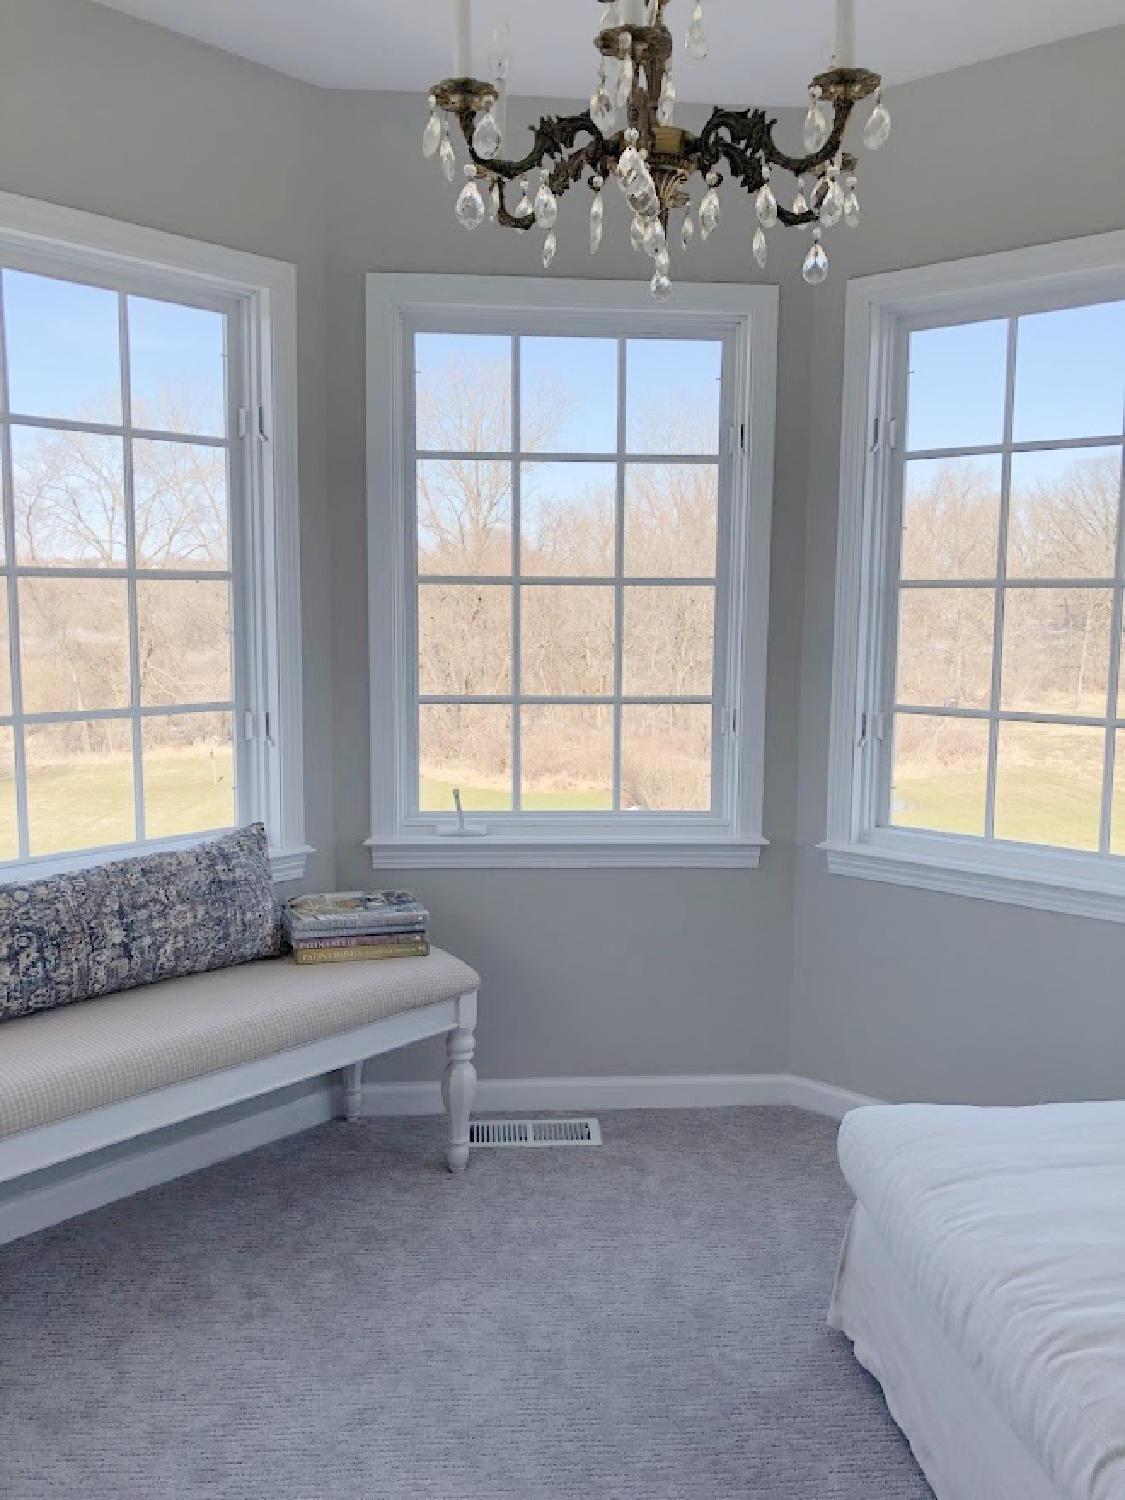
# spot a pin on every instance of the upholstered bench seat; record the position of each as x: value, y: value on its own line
x: 89, y: 1074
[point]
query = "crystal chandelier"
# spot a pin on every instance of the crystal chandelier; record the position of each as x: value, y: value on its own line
x: 628, y: 135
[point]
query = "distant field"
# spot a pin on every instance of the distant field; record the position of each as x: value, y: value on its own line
x: 1032, y: 806
x: 437, y: 796
x: 84, y: 806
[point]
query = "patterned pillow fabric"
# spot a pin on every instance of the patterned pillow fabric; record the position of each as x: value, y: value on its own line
x: 44, y: 950
x: 136, y: 921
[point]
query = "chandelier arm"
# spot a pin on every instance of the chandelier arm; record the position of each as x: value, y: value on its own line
x: 801, y: 165
x: 568, y: 169
x: 747, y: 130
x: 746, y: 142
x: 505, y: 216
x: 555, y: 138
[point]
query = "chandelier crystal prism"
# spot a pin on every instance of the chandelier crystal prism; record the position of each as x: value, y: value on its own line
x: 627, y: 135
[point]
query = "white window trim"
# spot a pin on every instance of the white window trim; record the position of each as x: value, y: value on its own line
x: 1020, y: 281
x: 41, y: 233
x: 394, y: 303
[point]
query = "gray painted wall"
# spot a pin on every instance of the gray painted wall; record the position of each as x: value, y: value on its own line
x: 642, y: 971
x: 904, y: 993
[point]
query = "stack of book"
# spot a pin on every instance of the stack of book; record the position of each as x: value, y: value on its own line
x: 342, y: 926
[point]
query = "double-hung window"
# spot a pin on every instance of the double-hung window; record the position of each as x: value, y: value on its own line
x: 979, y: 717
x: 147, y: 552
x: 569, y: 526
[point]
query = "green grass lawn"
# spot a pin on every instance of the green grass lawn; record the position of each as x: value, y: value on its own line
x: 437, y: 796
x: 87, y: 805
x: 1032, y: 806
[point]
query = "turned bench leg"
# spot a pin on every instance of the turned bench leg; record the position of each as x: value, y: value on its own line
x: 353, y: 1091
x: 459, y: 1082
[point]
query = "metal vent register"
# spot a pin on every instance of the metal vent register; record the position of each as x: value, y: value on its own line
x: 535, y: 1133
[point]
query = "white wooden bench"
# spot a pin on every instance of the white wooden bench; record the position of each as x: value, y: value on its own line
x: 90, y: 1075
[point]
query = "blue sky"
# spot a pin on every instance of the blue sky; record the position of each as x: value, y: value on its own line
x: 661, y: 376
x: 63, y: 350
x: 1070, y: 380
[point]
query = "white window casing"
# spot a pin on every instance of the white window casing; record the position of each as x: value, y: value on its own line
x: 745, y: 319
x: 882, y: 311
x: 259, y: 298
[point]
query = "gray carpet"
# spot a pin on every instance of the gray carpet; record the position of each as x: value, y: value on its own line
x: 334, y: 1317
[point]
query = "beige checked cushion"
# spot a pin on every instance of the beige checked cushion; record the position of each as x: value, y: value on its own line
x: 64, y: 1062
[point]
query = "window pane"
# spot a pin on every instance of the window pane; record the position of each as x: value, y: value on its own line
x: 567, y: 759
x: 1117, y: 825
x: 177, y: 367
x: 1063, y: 513
x: 951, y: 518
x: 945, y: 647
x: 468, y: 746
x: 74, y: 644
x: 79, y: 785
x: 671, y: 520
x: 181, y: 505
x: 464, y: 640
x: 666, y: 758
x: 463, y: 393
x: 69, y: 494
x: 669, y: 641
x: 568, y: 519
x: 568, y: 395
x: 464, y: 517
x: 940, y: 774
x: 566, y: 646
x: 5, y: 654
x: 673, y: 395
x: 1056, y: 650
x: 1070, y: 373
x: 188, y: 774
x: 64, y: 348
x: 9, y: 828
x: 958, y: 386
x: 1049, y: 784
x: 184, y: 642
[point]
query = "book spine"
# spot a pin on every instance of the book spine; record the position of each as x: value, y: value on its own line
x: 353, y: 940
x: 414, y: 921
x: 359, y: 951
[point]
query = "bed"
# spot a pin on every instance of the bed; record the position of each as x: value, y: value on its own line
x: 982, y: 1282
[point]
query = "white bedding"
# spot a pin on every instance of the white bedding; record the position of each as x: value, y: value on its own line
x: 963, y: 1445
x: 1010, y: 1227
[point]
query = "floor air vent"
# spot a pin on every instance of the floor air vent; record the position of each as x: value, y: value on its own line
x: 535, y: 1133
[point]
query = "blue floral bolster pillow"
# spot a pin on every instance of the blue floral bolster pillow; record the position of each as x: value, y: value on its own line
x: 93, y: 932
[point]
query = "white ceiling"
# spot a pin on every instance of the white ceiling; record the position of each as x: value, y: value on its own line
x: 761, y: 52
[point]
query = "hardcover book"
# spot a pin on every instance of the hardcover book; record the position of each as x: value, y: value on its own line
x: 357, y: 939
x: 355, y: 952
x: 353, y: 911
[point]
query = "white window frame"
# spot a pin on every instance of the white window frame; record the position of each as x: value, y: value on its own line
x: 397, y: 307
x: 880, y: 310
x: 261, y: 296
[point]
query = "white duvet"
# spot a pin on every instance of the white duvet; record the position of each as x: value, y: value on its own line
x: 1010, y: 1225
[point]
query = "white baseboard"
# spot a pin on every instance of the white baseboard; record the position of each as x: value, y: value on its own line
x: 150, y: 1165
x: 686, y: 1091
x: 823, y: 1098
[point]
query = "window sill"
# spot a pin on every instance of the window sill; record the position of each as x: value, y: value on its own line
x: 289, y: 864
x: 286, y: 864
x: 1082, y: 885
x: 493, y: 853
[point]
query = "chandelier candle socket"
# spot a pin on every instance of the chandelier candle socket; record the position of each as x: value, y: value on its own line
x: 627, y: 136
